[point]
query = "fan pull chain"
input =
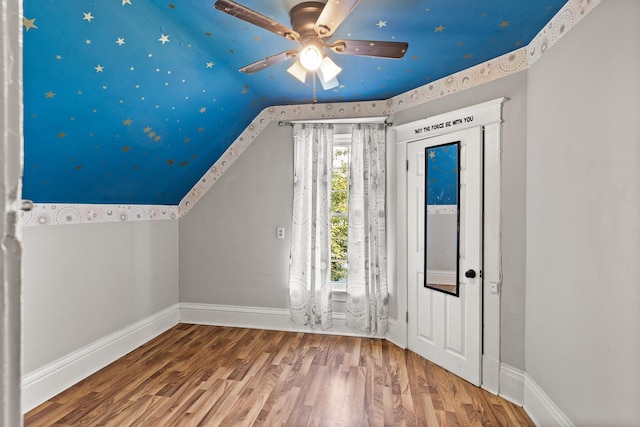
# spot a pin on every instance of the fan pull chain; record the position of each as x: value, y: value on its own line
x: 314, y: 99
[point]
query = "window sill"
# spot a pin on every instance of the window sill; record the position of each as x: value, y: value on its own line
x: 339, y: 291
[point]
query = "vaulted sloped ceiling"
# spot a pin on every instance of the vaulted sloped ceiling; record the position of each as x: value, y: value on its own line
x: 131, y: 101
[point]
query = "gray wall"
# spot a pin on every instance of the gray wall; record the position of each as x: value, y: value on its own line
x: 513, y: 195
x: 229, y: 253
x: 84, y: 282
x: 583, y: 219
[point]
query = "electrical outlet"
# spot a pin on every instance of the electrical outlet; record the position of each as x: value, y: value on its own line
x: 280, y: 233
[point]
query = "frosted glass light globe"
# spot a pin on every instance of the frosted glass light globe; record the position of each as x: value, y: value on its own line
x: 311, y: 57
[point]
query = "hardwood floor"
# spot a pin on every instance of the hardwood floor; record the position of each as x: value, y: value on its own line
x: 208, y: 376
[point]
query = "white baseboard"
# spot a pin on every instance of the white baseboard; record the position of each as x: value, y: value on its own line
x: 57, y: 376
x: 397, y: 333
x: 540, y: 407
x: 228, y: 315
x: 276, y: 319
x: 512, y: 384
x: 490, y: 374
x: 519, y: 388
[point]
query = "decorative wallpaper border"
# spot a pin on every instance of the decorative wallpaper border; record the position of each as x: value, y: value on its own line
x: 56, y: 214
x: 442, y: 209
x: 513, y: 62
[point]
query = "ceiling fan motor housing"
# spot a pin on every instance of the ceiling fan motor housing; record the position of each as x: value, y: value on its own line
x: 303, y: 19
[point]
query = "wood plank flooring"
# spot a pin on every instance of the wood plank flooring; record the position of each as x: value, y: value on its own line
x: 196, y: 375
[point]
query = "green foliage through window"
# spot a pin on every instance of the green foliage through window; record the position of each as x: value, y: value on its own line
x: 339, y: 208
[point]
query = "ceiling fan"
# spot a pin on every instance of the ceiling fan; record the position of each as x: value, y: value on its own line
x: 313, y: 25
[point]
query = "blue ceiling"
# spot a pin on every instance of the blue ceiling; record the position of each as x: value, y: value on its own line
x: 131, y: 101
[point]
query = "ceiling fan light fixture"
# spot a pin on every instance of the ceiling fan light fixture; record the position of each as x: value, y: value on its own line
x: 298, y: 71
x: 311, y: 57
x: 329, y: 84
x: 328, y: 70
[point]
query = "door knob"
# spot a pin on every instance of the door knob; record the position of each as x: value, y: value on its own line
x: 470, y: 274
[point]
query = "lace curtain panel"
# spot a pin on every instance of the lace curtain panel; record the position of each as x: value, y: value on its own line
x: 367, y: 303
x: 310, y: 271
x: 367, y: 306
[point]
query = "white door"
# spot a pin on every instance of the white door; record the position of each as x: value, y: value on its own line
x: 443, y: 327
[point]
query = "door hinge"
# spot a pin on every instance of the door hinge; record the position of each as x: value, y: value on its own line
x: 407, y: 317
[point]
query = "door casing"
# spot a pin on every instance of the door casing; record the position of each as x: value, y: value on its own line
x: 489, y: 116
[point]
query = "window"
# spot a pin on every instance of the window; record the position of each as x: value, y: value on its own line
x: 339, y: 210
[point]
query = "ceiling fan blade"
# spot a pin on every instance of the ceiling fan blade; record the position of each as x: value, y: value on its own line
x: 374, y: 48
x: 268, y: 61
x: 334, y: 12
x: 251, y: 16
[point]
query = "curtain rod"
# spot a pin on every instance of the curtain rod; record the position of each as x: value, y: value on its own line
x: 356, y: 120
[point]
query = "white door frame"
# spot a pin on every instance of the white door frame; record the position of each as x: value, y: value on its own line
x: 489, y: 116
x: 11, y: 124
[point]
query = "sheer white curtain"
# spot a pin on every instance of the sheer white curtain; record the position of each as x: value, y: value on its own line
x: 310, y: 269
x: 367, y: 307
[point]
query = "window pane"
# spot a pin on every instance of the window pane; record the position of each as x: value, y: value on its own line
x: 339, y: 208
x: 338, y: 271
x: 339, y: 229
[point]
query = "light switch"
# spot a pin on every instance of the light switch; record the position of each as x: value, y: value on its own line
x: 494, y: 287
x: 280, y: 233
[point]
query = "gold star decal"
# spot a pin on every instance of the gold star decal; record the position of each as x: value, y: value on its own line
x: 504, y: 24
x: 439, y: 29
x: 29, y: 23
x: 127, y: 122
x: 126, y: 2
x: 62, y: 135
x: 381, y: 24
x: 87, y: 16
x: 49, y: 94
x: 147, y: 129
x: 164, y: 39
x: 210, y: 64
x: 99, y: 68
x: 468, y: 56
x: 151, y: 134
x: 157, y: 138
x: 120, y: 41
x: 203, y: 109
x: 172, y: 6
